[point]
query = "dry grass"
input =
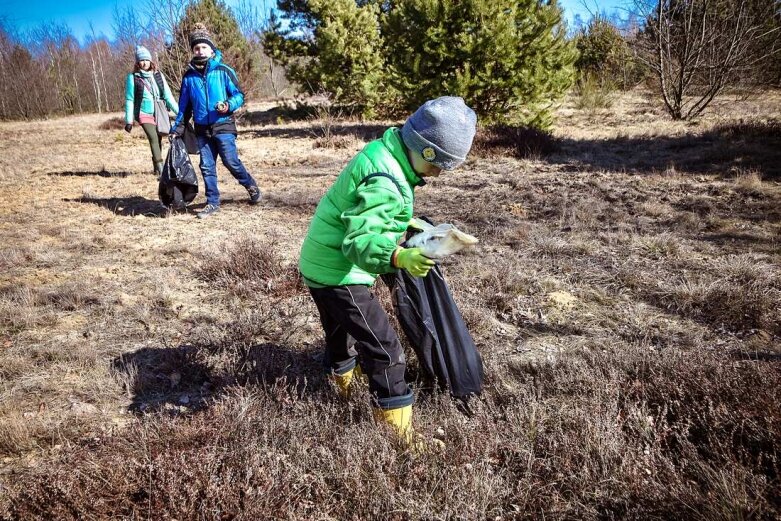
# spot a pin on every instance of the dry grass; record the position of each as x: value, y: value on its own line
x: 624, y: 296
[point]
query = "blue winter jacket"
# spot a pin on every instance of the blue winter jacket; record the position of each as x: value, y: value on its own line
x: 202, y: 91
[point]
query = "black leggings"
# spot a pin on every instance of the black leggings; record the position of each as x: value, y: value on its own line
x: 155, y: 142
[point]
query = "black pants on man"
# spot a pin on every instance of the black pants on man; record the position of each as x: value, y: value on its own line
x: 356, y: 326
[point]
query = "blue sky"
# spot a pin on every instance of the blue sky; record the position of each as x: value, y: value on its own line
x: 77, y: 14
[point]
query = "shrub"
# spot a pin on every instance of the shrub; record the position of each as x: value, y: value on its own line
x: 593, y: 94
x: 508, y: 59
x: 339, y: 55
x: 516, y: 141
x: 604, y: 56
x: 248, y: 267
x: 115, y: 123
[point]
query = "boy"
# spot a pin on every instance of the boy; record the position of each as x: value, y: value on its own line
x: 211, y: 91
x: 354, y: 237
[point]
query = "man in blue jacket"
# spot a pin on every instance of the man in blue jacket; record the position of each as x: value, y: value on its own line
x: 210, y: 91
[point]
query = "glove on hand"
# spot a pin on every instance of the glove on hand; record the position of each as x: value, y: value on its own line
x: 128, y: 127
x: 412, y: 260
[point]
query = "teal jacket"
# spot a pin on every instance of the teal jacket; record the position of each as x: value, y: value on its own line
x: 359, y: 222
x: 132, y: 108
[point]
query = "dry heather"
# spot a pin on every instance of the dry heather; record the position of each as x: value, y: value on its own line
x: 624, y: 295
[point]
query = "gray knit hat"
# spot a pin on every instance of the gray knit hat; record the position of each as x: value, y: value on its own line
x: 441, y: 130
x: 200, y: 34
x: 142, y: 53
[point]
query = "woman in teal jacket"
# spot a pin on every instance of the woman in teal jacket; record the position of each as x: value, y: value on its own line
x: 354, y: 236
x: 144, y: 85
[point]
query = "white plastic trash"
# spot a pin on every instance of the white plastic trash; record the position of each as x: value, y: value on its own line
x: 437, y: 242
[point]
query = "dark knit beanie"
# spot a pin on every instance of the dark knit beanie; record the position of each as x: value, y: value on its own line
x: 200, y: 34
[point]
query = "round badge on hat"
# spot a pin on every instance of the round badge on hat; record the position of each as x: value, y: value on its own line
x: 429, y: 154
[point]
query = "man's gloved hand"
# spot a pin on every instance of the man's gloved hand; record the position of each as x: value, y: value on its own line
x: 128, y: 127
x: 412, y: 260
x: 176, y: 132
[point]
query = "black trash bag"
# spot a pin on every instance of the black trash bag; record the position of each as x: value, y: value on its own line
x: 434, y: 326
x: 190, y: 139
x: 188, y: 135
x: 178, y: 183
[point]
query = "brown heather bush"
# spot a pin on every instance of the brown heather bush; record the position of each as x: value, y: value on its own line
x: 750, y: 129
x: 249, y: 266
x: 519, y: 142
x: 337, y: 141
x: 732, y: 302
x: 604, y: 433
x: 115, y: 123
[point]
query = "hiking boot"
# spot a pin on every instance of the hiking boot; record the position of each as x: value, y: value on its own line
x: 254, y: 194
x: 208, y: 210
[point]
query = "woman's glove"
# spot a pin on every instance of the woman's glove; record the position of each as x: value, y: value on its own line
x: 412, y: 260
x: 128, y: 127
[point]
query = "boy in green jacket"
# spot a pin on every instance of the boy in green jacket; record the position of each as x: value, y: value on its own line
x: 354, y: 237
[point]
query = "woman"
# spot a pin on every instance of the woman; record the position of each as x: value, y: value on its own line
x: 145, y: 85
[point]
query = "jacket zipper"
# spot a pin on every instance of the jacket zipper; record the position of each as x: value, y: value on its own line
x: 206, y: 93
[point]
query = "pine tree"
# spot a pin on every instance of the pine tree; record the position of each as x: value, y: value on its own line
x: 509, y: 59
x: 605, y: 56
x: 330, y: 47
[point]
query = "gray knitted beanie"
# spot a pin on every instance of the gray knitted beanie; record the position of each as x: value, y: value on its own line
x: 142, y: 53
x: 441, y: 130
x: 200, y: 34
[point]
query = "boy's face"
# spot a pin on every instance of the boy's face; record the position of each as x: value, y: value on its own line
x: 422, y: 167
x: 202, y: 50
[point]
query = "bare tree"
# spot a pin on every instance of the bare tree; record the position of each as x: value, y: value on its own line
x: 128, y: 29
x: 696, y: 48
x: 96, y: 48
x: 255, y: 19
x: 165, y: 36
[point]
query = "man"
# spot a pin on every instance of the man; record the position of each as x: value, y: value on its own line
x: 210, y: 91
x: 354, y: 237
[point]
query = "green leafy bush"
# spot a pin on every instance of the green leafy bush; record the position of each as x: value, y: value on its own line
x: 508, y: 59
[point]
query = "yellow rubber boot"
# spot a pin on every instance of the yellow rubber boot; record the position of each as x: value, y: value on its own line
x: 400, y: 419
x: 343, y: 382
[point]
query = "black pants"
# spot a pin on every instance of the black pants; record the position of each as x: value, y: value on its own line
x: 356, y: 327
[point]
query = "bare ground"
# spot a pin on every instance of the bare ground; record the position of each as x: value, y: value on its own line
x: 624, y: 295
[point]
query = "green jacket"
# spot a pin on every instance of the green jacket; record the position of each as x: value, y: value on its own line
x: 358, y: 223
x: 132, y: 107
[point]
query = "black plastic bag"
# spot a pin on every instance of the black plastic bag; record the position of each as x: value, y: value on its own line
x: 434, y: 326
x: 190, y: 139
x: 178, y: 182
